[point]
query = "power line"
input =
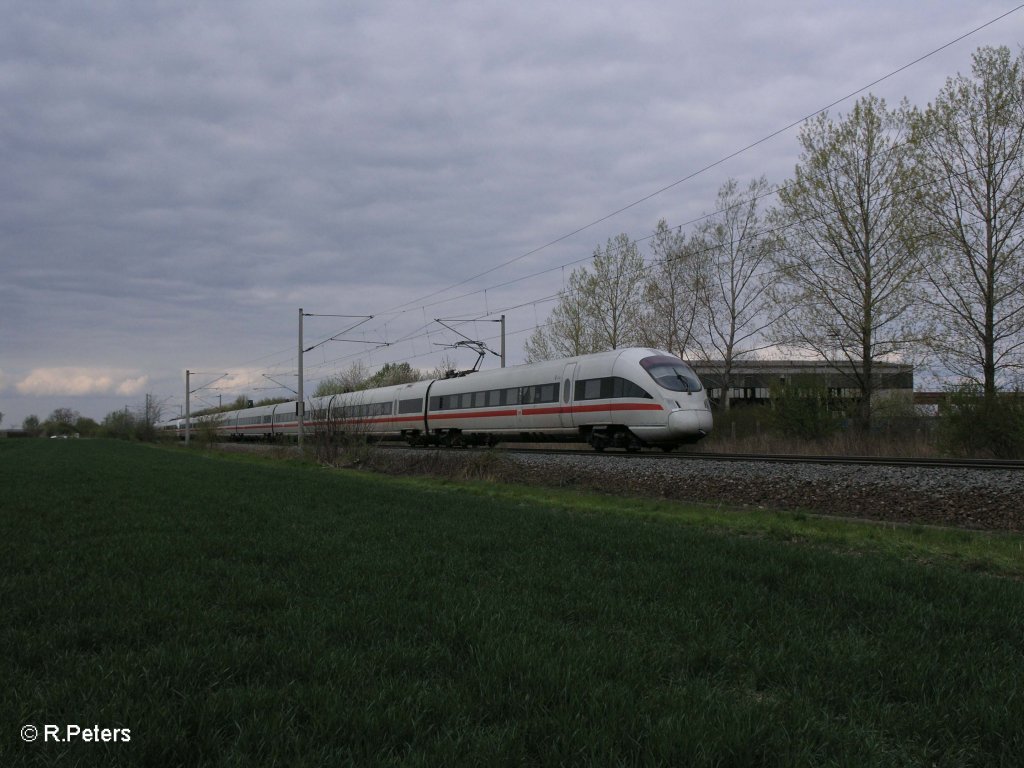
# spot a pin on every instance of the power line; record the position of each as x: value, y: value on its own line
x: 423, y: 332
x: 716, y: 163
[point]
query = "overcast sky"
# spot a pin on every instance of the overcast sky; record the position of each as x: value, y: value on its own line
x: 179, y: 178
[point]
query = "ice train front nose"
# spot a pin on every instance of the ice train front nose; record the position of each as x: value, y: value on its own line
x: 690, y: 424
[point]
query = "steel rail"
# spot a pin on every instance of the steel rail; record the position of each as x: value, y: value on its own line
x: 878, y: 461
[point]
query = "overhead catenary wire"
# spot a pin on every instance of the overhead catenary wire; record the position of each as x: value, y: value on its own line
x: 720, y: 161
x: 832, y: 104
x: 419, y: 303
x: 422, y: 331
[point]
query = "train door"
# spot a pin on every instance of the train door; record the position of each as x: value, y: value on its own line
x: 274, y: 428
x: 568, y: 375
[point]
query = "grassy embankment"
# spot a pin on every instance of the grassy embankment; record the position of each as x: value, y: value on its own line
x: 238, y: 612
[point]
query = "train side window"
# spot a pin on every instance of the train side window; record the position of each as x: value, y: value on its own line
x: 494, y: 397
x: 479, y: 399
x: 412, y: 405
x: 548, y: 393
x: 629, y: 389
x: 565, y: 391
x: 609, y: 388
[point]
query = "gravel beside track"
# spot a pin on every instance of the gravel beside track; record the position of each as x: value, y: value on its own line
x: 966, y: 498
x: 987, y: 499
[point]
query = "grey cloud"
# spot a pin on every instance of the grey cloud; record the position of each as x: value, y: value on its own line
x: 179, y: 178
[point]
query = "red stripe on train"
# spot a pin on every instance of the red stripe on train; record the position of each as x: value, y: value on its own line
x: 468, y: 414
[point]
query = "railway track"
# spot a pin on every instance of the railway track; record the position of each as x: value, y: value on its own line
x: 887, y: 489
x: 886, y: 461
x: 875, y: 461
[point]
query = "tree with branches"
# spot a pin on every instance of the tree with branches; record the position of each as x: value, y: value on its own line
x: 970, y: 150
x: 567, y: 332
x: 733, y: 303
x: 601, y: 308
x: 670, y: 292
x: 850, y: 276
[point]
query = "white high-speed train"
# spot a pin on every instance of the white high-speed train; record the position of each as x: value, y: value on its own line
x: 625, y: 398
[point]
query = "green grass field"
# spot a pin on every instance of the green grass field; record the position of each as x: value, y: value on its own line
x: 235, y: 611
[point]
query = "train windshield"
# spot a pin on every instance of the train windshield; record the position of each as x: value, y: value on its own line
x: 672, y: 373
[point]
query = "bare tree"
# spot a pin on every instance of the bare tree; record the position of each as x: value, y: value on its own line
x: 352, y: 378
x: 567, y: 332
x: 390, y: 374
x: 601, y: 308
x: 443, y: 370
x: 616, y: 293
x: 670, y: 293
x: 152, y: 411
x: 61, y: 421
x: 732, y: 297
x: 849, y: 269
x: 970, y: 146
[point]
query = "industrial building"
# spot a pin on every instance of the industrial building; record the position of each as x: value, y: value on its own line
x: 753, y: 380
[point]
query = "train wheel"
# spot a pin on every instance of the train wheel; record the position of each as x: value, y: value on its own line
x: 452, y: 439
x: 633, y: 443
